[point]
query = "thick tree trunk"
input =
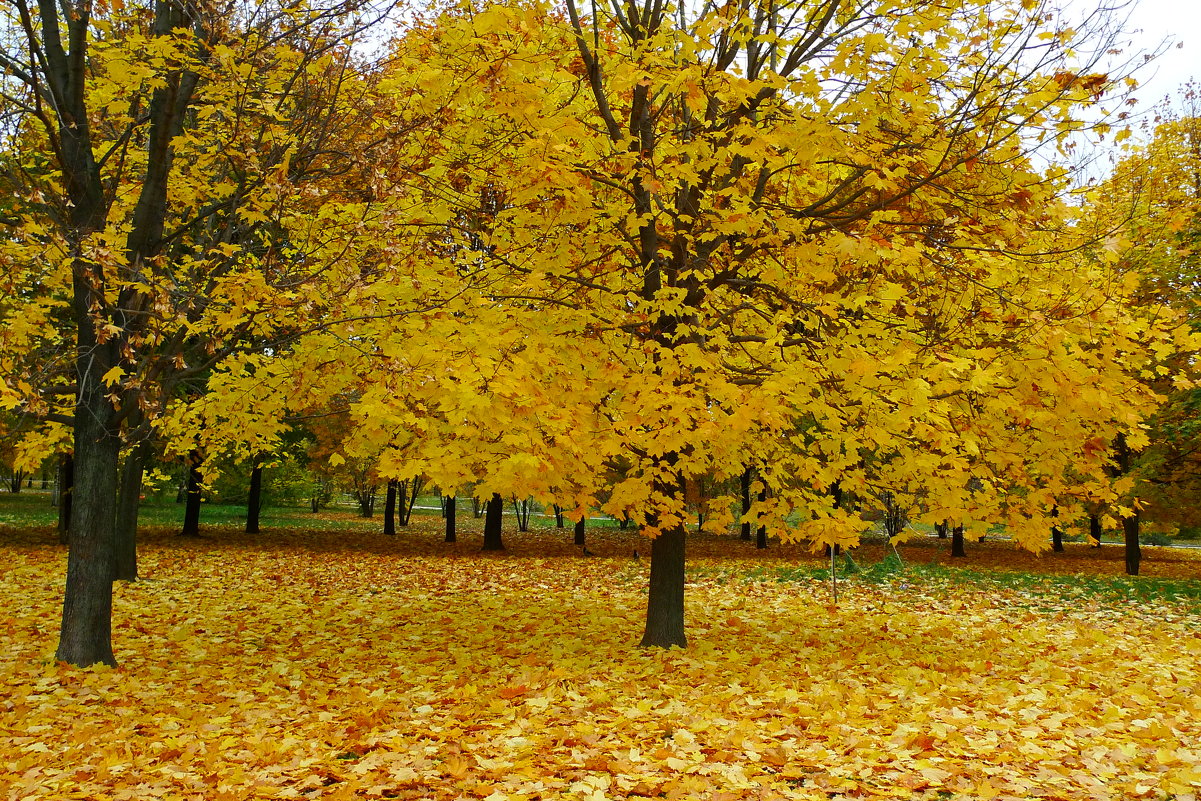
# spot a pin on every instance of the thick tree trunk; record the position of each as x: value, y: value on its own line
x: 665, y: 603
x: 1094, y: 530
x: 85, y: 636
x: 957, y: 542
x: 390, y: 508
x: 492, y: 520
x: 451, y: 513
x: 191, y: 512
x: 1134, y: 554
x: 66, y: 486
x: 941, y: 529
x: 254, y: 499
x: 579, y: 532
x: 129, y: 500
x: 744, y: 484
x: 1056, y: 539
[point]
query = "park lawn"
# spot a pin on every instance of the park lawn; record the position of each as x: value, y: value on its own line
x: 345, y: 664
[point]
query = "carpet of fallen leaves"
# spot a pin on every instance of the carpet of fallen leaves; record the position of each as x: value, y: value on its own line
x: 338, y: 666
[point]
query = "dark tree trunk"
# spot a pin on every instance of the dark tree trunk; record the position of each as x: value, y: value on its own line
x: 406, y: 496
x: 66, y: 484
x: 522, y: 510
x: 16, y: 480
x: 761, y: 534
x: 451, y: 512
x: 254, y: 499
x: 477, y: 508
x: 129, y: 500
x: 44, y: 478
x: 492, y: 520
x: 390, y: 508
x: 665, y: 603
x: 1094, y: 530
x: 1057, y: 539
x: 579, y: 532
x: 1134, y: 554
x: 744, y: 484
x: 191, y: 512
x: 559, y: 522
x: 941, y: 529
x: 85, y: 636
x: 957, y: 542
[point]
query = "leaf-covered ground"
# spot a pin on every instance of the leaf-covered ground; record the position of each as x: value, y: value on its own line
x: 337, y: 666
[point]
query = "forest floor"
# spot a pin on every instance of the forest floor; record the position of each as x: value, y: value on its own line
x: 338, y: 663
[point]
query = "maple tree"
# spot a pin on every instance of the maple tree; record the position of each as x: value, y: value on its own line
x: 162, y: 154
x: 811, y: 236
x: 1152, y: 205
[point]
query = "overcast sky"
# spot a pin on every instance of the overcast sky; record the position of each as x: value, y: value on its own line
x: 1175, y: 20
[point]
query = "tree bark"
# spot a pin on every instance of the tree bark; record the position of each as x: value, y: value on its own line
x: 390, y: 508
x: 129, y: 500
x: 1057, y: 539
x: 558, y: 515
x: 66, y: 484
x: 941, y: 529
x: 451, y: 512
x: 957, y: 542
x: 1134, y: 554
x: 254, y: 499
x: 492, y: 521
x: 191, y: 512
x: 579, y: 532
x: 761, y: 534
x: 744, y: 482
x: 1094, y: 530
x: 85, y: 635
x: 665, y: 603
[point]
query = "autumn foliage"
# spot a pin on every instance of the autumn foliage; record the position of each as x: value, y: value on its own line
x: 339, y: 665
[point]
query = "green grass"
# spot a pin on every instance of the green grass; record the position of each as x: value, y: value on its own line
x: 1046, y: 590
x: 32, y: 509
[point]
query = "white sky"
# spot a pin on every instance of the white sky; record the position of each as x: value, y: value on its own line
x: 1178, y: 21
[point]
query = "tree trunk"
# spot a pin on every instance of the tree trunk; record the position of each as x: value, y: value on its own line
x: 129, y: 500
x: 761, y: 534
x: 85, y: 636
x: 1094, y: 530
x: 390, y: 508
x: 941, y: 529
x: 1056, y: 539
x: 66, y: 483
x: 406, y: 496
x: 1134, y: 554
x: 744, y: 484
x: 254, y: 499
x: 191, y: 512
x: 492, y: 520
x: 957, y: 542
x: 665, y: 603
x: 451, y: 512
x: 579, y: 532
x: 558, y: 515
